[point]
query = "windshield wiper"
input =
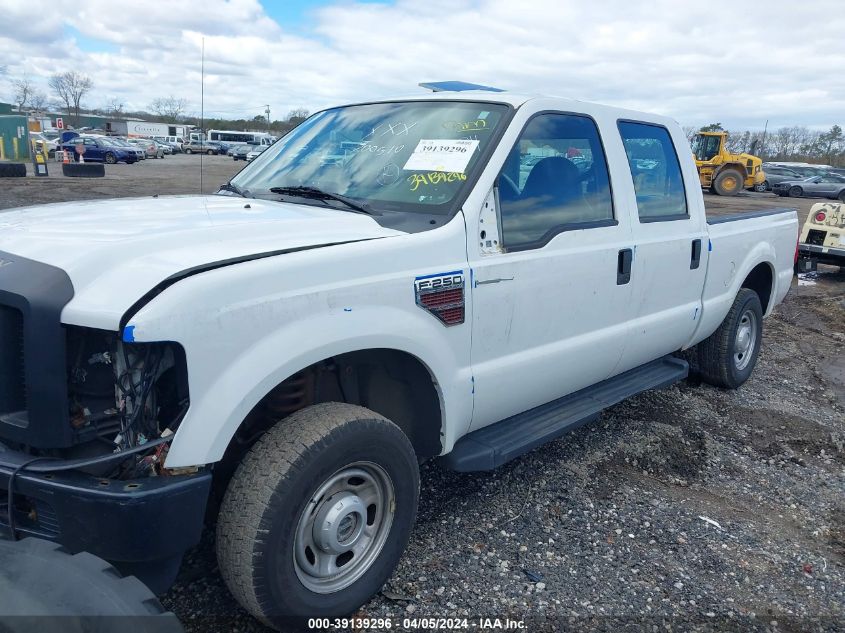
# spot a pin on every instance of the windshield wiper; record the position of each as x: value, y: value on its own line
x: 319, y: 194
x: 228, y: 186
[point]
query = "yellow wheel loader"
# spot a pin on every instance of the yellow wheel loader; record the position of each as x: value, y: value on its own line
x: 724, y: 173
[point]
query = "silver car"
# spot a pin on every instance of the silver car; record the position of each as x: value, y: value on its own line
x: 827, y: 185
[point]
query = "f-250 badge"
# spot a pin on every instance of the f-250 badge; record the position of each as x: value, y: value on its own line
x: 442, y: 295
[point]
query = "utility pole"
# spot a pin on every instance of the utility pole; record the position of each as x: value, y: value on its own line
x: 763, y: 143
x: 267, y: 112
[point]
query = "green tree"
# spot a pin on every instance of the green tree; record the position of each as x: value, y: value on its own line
x: 713, y: 127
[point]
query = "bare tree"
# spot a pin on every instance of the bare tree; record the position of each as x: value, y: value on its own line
x: 71, y: 87
x: 38, y: 101
x: 297, y: 115
x: 169, y: 107
x: 690, y: 131
x: 23, y: 92
x: 114, y: 108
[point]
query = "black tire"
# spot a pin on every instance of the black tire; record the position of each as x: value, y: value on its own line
x: 83, y: 170
x: 12, y: 170
x: 795, y: 191
x: 210, y: 152
x: 842, y: 196
x: 271, y: 491
x: 713, y: 359
x: 762, y: 187
x: 42, y: 583
x: 111, y: 159
x: 188, y: 150
x: 728, y: 182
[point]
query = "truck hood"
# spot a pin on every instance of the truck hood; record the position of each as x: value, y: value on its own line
x: 115, y: 251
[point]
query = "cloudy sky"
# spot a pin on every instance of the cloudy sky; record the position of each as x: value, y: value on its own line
x: 699, y: 62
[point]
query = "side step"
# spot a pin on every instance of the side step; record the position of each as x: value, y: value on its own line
x: 494, y: 445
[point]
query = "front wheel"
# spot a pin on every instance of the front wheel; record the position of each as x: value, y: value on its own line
x: 762, y: 187
x: 111, y: 159
x: 728, y: 183
x: 795, y: 192
x: 318, y: 514
x: 842, y: 196
x: 210, y: 152
x: 189, y: 151
x: 728, y: 356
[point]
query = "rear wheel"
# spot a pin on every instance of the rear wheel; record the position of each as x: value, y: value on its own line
x: 762, y: 187
x: 842, y: 196
x: 318, y: 514
x: 728, y: 356
x: 728, y: 182
x: 795, y: 192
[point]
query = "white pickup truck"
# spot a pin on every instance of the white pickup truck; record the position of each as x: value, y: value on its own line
x: 460, y: 275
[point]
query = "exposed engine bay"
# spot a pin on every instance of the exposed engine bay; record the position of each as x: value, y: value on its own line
x: 122, y: 396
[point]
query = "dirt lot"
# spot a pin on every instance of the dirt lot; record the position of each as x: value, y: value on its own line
x: 690, y: 508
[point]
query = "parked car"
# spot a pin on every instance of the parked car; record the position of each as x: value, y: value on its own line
x: 149, y: 146
x: 255, y: 152
x: 166, y: 148
x: 775, y: 174
x: 314, y: 333
x: 124, y: 142
x: 202, y: 147
x: 239, y: 152
x: 175, y: 142
x: 828, y: 185
x: 102, y: 149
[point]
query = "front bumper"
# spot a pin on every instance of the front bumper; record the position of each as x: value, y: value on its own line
x: 129, y: 521
x: 823, y: 254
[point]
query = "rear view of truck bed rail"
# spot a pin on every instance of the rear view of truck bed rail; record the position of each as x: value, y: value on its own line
x: 733, y: 217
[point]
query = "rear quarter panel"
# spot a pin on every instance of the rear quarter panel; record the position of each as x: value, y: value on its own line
x: 736, y: 248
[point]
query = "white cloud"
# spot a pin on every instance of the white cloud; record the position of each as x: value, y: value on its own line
x: 703, y: 62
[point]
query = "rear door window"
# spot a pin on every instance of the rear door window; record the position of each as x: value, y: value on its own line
x: 656, y: 172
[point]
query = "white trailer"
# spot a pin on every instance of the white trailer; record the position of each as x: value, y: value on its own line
x: 147, y: 129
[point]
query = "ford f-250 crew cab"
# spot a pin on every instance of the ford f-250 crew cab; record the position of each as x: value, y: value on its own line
x: 462, y: 275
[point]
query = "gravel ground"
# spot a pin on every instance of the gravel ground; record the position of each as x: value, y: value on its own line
x: 690, y: 508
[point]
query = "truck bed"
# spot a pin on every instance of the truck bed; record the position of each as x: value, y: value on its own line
x: 745, y: 215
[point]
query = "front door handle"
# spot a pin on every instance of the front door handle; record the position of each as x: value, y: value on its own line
x: 623, y: 266
x: 695, y: 258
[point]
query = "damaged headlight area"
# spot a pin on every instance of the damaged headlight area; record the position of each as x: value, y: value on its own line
x: 122, y: 396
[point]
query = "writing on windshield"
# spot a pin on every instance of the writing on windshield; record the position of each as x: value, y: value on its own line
x: 413, y: 156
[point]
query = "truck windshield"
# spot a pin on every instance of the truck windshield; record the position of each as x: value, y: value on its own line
x: 403, y: 156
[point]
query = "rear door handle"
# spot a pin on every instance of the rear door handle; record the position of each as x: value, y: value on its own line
x: 623, y: 266
x: 695, y: 259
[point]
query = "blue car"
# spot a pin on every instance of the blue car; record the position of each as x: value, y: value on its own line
x: 102, y: 150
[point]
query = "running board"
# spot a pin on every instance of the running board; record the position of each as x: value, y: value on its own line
x: 496, y: 444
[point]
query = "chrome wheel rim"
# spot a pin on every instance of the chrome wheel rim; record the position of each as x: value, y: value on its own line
x: 343, y: 527
x: 745, y: 340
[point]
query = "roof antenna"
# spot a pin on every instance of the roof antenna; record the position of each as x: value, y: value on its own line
x: 202, y: 107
